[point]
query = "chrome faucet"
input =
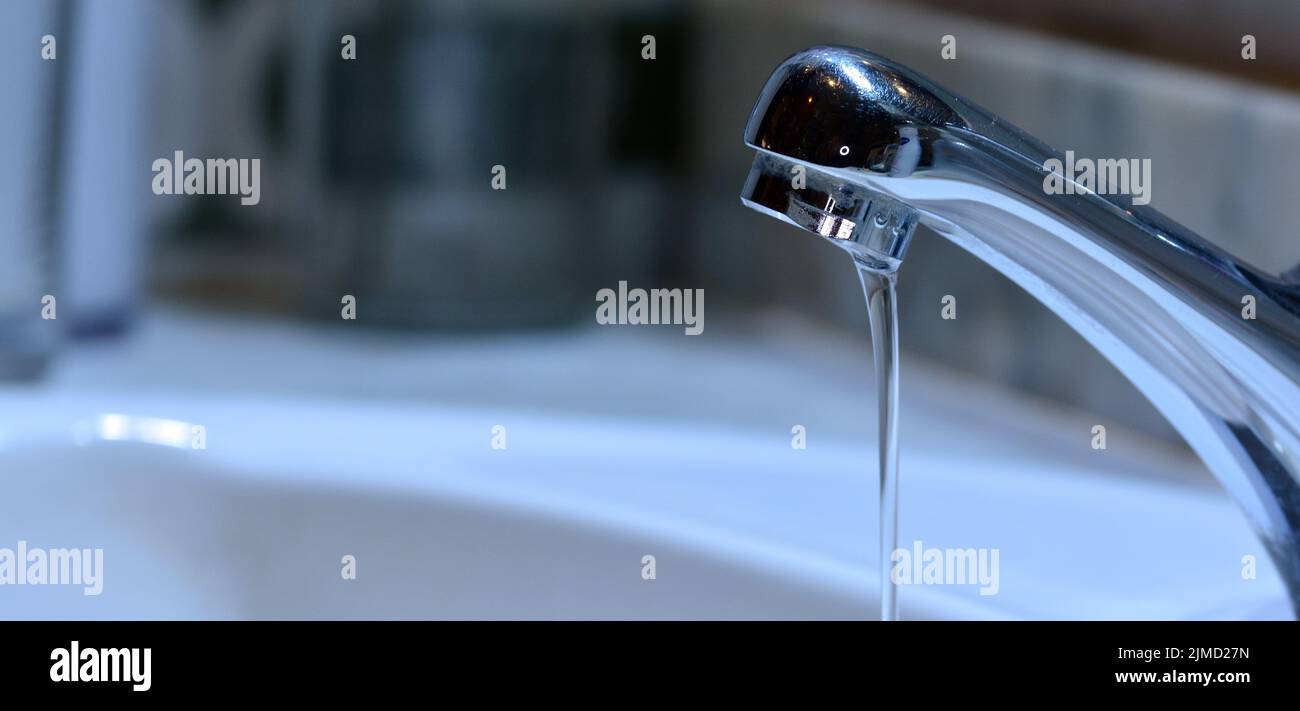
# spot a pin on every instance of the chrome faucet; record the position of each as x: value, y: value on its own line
x: 859, y: 150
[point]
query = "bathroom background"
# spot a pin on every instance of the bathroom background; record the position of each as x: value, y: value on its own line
x: 375, y: 182
x: 619, y: 168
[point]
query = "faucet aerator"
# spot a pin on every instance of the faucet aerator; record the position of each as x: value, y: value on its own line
x: 874, y: 228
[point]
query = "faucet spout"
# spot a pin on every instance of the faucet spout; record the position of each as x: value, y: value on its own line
x: 872, y: 138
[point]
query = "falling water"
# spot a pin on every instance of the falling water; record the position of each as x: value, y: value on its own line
x: 883, y: 310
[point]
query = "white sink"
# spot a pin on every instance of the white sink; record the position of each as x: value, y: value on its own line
x: 557, y: 524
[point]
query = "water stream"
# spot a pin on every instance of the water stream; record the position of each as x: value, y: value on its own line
x: 883, y: 309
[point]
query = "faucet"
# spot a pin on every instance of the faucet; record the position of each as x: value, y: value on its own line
x: 859, y: 150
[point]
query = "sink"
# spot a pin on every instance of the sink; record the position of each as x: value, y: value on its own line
x: 557, y: 524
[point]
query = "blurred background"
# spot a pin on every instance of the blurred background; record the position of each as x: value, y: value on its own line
x: 376, y: 171
x: 376, y: 182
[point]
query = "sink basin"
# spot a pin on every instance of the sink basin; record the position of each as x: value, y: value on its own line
x: 557, y: 524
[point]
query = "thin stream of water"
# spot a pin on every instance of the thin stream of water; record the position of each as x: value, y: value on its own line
x: 883, y: 310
